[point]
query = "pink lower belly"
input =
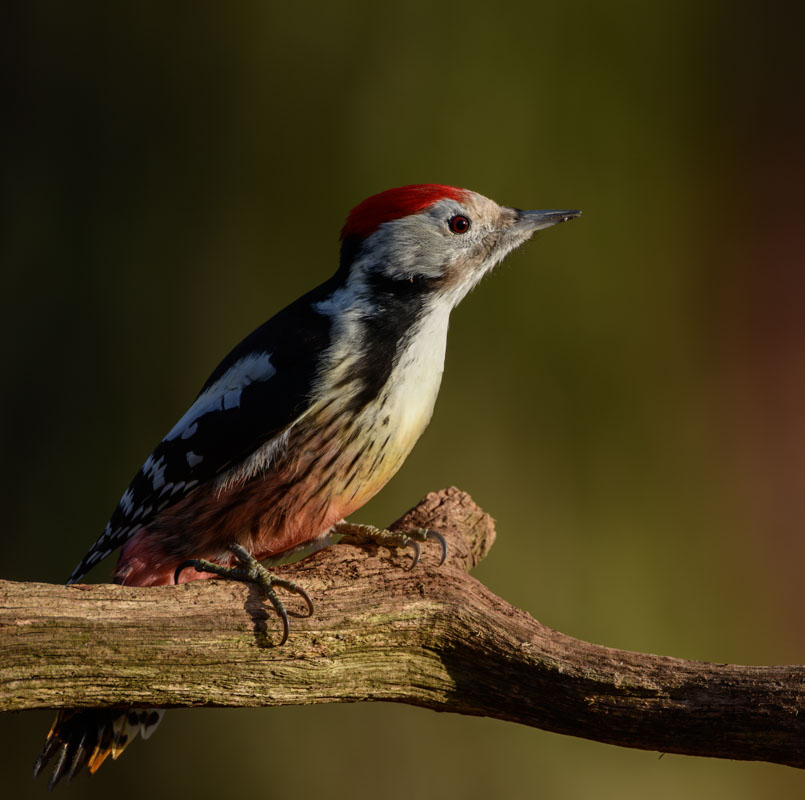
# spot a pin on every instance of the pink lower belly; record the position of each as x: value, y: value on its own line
x: 151, y: 556
x: 267, y: 514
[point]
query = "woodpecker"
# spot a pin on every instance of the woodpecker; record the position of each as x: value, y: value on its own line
x: 302, y: 423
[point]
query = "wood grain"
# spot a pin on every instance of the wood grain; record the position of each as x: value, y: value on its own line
x: 432, y: 637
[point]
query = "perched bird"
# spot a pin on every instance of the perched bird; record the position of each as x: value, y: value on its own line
x: 302, y: 423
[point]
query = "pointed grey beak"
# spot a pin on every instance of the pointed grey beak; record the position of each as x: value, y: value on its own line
x: 537, y: 220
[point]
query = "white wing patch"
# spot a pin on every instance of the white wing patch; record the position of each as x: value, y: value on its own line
x: 225, y: 393
x: 155, y: 486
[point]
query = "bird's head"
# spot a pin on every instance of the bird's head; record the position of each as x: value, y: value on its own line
x: 434, y: 240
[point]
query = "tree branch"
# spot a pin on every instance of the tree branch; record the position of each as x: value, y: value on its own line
x: 432, y: 637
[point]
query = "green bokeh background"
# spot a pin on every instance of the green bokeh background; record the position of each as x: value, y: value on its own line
x: 625, y: 395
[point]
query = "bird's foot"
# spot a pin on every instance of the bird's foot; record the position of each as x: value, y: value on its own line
x: 252, y: 571
x: 353, y: 533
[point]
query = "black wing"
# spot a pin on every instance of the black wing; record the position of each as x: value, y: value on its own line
x: 256, y: 392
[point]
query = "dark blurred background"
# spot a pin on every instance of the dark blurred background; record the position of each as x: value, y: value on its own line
x: 626, y: 395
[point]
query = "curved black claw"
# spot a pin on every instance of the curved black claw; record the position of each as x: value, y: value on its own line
x: 425, y: 534
x: 252, y: 571
x: 414, y: 545
x: 295, y: 588
x: 282, y: 613
x: 442, y: 543
x: 183, y: 566
x: 267, y: 582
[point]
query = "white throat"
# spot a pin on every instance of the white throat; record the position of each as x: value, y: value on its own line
x: 414, y: 382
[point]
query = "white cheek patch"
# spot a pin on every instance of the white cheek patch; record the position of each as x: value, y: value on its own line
x: 225, y: 393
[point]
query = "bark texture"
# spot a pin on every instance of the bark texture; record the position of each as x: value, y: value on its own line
x: 432, y: 637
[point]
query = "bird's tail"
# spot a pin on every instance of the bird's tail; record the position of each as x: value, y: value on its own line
x: 85, y: 737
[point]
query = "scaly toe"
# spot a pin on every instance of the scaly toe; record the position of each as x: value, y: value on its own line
x: 202, y: 565
x: 250, y: 570
x: 356, y: 534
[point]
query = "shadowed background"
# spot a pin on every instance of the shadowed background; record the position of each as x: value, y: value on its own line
x: 625, y: 395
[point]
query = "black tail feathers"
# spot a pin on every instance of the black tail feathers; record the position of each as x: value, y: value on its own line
x: 85, y: 737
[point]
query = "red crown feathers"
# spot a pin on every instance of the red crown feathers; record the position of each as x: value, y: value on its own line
x: 369, y: 215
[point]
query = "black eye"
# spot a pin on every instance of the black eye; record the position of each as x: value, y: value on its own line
x: 458, y: 224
